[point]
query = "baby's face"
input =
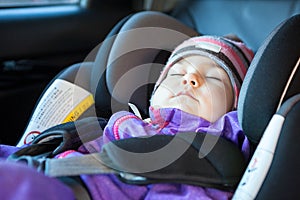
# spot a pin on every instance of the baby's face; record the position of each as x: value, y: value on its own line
x: 197, y: 85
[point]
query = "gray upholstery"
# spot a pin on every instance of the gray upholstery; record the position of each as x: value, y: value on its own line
x: 251, y: 20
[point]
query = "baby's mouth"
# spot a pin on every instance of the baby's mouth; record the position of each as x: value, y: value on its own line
x: 186, y: 93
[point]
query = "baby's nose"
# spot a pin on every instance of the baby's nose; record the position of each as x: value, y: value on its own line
x: 192, y: 79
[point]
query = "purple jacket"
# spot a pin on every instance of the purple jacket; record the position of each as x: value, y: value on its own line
x: 163, y: 121
x: 170, y: 121
x: 34, y: 185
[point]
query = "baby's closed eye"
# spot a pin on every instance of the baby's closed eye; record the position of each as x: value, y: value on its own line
x: 214, y: 78
x: 216, y: 74
x: 176, y: 74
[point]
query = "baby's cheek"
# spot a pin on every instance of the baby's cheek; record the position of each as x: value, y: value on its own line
x: 222, y: 102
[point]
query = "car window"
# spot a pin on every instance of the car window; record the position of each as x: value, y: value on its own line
x: 21, y: 3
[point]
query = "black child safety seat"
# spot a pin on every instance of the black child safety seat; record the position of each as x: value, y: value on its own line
x: 263, y: 94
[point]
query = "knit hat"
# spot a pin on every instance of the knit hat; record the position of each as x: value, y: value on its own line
x: 233, y: 56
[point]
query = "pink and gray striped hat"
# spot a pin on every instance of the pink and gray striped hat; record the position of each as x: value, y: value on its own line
x: 233, y: 56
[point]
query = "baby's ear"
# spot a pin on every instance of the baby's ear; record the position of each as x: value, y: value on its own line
x: 233, y: 37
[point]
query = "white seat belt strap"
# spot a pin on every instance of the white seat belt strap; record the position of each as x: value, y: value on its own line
x: 74, y: 166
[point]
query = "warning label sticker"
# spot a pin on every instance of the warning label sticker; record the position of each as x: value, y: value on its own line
x: 62, y: 102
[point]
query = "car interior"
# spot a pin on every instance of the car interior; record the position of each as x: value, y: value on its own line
x: 82, y: 44
x: 38, y: 42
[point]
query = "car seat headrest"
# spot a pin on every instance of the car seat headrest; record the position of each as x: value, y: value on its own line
x: 267, y: 77
x: 134, y: 56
